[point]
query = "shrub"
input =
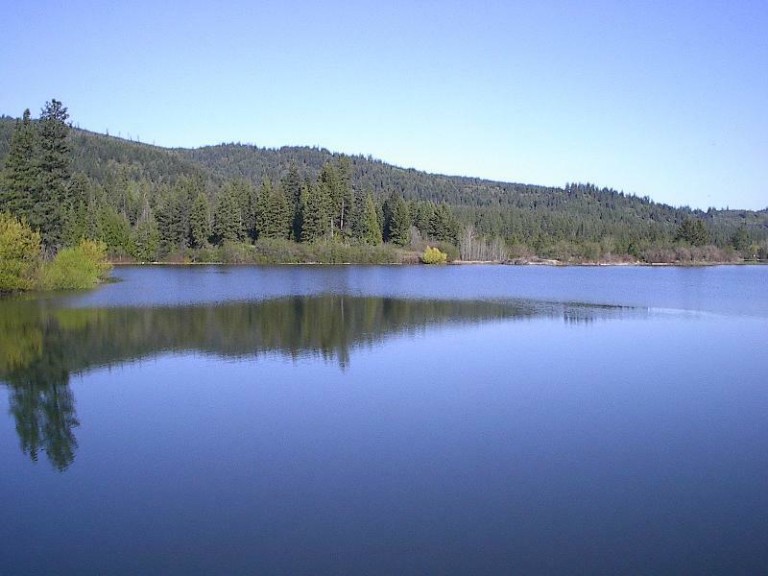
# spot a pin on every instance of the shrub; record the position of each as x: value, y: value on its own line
x: 236, y: 252
x: 451, y: 251
x: 19, y: 255
x: 434, y: 256
x: 77, y: 268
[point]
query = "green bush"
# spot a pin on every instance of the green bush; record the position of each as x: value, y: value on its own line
x: 77, y: 268
x: 20, y: 255
x: 434, y: 256
x: 236, y: 252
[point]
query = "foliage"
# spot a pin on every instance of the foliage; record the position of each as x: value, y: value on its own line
x: 19, y: 255
x: 443, y: 225
x: 451, y: 251
x: 145, y: 240
x: 316, y: 214
x: 741, y: 240
x: 228, y: 223
x: 370, y: 227
x: 693, y: 232
x: 283, y: 251
x: 200, y: 222
x: 273, y: 219
x: 434, y: 256
x: 52, y: 196
x: 150, y: 202
x: 21, y: 173
x: 76, y: 268
x: 397, y: 220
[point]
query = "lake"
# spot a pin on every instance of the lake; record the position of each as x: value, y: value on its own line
x: 388, y: 420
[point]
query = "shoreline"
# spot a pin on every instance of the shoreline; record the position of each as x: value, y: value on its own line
x: 517, y: 262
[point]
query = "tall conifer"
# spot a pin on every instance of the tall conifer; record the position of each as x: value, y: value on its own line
x: 22, y: 172
x: 52, y: 196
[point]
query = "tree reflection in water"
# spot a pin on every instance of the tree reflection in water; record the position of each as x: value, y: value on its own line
x: 41, y: 345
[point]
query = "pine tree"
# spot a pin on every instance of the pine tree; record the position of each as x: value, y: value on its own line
x: 115, y: 230
x: 246, y: 197
x: 272, y: 213
x: 345, y: 197
x: 740, y: 239
x: 443, y: 225
x: 52, y: 198
x: 423, y: 213
x: 145, y: 237
x: 397, y: 220
x: 317, y: 219
x: 693, y: 231
x: 292, y: 188
x: 227, y: 218
x: 76, y: 225
x: 200, y: 221
x: 22, y: 173
x: 334, y: 184
x: 172, y: 214
x: 371, y: 228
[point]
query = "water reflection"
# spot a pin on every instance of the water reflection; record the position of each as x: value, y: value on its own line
x: 41, y: 344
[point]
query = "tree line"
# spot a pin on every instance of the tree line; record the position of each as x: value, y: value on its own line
x: 149, y: 203
x: 139, y: 211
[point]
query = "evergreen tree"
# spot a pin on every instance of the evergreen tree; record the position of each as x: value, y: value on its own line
x: 272, y: 213
x: 355, y: 218
x: 693, y: 231
x: 145, y: 238
x: 443, y: 225
x: 246, y: 198
x: 334, y: 184
x: 172, y: 216
x: 741, y: 240
x: 22, y: 173
x: 345, y: 197
x: 227, y: 218
x: 317, y: 218
x: 423, y: 214
x: 397, y: 220
x: 52, y: 198
x: 115, y: 230
x: 76, y: 224
x: 371, y: 228
x: 292, y: 188
x: 200, y: 221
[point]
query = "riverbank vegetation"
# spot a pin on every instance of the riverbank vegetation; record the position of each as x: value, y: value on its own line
x: 23, y: 265
x: 242, y: 204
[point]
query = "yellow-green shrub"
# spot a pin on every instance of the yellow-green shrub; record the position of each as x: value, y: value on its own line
x: 434, y: 256
x: 19, y: 255
x: 77, y: 268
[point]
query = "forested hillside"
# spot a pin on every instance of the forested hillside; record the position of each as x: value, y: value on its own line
x: 219, y: 202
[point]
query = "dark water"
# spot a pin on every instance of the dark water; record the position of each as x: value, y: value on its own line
x: 388, y: 420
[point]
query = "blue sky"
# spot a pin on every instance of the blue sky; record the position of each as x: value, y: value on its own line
x: 665, y: 99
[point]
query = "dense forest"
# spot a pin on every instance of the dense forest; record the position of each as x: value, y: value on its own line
x: 242, y: 203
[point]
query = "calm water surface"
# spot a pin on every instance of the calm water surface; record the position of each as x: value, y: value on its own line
x: 388, y: 420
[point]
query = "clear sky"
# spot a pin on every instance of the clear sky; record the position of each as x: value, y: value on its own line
x: 661, y: 98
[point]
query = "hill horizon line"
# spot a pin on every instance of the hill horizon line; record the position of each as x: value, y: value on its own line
x: 370, y: 158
